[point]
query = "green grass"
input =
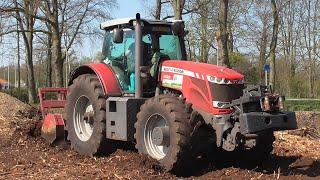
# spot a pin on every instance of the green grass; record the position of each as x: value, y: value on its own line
x: 302, y: 105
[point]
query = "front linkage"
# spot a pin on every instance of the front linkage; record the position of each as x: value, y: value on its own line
x: 258, y: 111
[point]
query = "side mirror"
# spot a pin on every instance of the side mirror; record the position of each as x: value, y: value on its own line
x: 178, y: 28
x: 117, y: 35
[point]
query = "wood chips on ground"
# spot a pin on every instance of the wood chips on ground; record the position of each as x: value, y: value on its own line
x: 24, y: 155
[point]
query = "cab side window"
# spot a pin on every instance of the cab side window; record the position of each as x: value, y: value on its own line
x: 119, y: 56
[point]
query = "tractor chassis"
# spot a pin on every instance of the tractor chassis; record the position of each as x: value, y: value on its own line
x: 121, y: 116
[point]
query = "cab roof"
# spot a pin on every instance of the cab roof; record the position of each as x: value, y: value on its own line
x: 129, y: 22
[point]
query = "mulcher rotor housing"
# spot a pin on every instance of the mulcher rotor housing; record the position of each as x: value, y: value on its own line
x: 145, y: 91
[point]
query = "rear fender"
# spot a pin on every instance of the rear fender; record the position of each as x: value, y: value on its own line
x: 105, y: 74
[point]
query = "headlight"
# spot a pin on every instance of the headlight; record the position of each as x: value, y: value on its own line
x: 219, y: 104
x: 218, y: 80
x: 281, y: 102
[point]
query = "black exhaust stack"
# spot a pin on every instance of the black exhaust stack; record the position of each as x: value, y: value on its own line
x: 138, y: 57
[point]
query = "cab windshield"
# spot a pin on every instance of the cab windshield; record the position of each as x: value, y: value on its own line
x: 165, y: 43
x: 121, y: 56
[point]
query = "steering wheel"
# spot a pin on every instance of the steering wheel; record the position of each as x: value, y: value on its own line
x: 120, y: 61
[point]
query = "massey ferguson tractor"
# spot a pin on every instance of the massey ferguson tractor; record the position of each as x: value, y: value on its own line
x: 144, y: 91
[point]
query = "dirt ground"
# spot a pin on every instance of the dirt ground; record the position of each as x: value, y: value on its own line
x: 24, y: 154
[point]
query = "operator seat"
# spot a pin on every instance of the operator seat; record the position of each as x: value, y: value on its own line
x: 150, y: 83
x: 146, y: 56
x: 156, y: 60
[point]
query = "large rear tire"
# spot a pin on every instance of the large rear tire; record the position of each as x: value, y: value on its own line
x: 163, y: 131
x: 86, y: 115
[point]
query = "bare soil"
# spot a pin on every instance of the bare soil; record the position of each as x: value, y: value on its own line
x: 24, y: 154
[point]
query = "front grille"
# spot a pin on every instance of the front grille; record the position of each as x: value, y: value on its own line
x: 226, y: 92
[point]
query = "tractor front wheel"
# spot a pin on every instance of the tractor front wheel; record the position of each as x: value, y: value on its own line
x: 262, y: 150
x: 86, y: 116
x: 163, y: 131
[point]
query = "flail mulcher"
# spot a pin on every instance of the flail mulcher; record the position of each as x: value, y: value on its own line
x: 145, y: 92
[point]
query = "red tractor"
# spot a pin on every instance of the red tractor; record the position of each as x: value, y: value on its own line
x: 144, y: 91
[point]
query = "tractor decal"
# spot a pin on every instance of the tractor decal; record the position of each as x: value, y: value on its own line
x: 177, y: 71
x: 213, y: 79
x: 174, y: 82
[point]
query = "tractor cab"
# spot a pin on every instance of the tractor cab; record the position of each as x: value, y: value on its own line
x: 157, y: 41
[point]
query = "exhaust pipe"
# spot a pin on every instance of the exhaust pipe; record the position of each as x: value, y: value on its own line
x: 138, y: 56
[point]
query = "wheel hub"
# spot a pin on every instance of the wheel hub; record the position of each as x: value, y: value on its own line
x: 88, y: 117
x: 157, y: 136
x: 83, y: 118
x: 160, y: 136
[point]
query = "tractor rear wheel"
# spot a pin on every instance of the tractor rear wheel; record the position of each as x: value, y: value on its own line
x: 86, y: 115
x: 163, y: 131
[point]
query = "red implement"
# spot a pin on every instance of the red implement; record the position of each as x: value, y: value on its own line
x: 53, y: 127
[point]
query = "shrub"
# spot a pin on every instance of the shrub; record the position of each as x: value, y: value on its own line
x: 21, y: 94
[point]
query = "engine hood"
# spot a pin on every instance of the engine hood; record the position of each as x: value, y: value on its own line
x: 203, y: 70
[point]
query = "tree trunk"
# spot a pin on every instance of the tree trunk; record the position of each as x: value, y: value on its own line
x: 56, y: 46
x: 178, y: 6
x: 230, y: 40
x: 31, y: 79
x: 158, y: 10
x: 314, y: 50
x: 222, y: 37
x: 263, y: 50
x: 49, y: 62
x: 18, y: 57
x: 274, y: 44
x: 57, y: 58
x: 204, y: 35
x: 28, y: 41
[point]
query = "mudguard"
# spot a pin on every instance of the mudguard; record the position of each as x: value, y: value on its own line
x: 105, y: 74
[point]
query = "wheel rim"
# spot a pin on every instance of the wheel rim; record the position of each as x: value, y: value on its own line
x: 83, y: 118
x: 157, y: 136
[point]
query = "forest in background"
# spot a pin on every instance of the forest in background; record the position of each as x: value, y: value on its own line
x: 244, y: 35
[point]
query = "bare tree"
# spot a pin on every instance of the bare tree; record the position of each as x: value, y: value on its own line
x: 204, y: 20
x: 49, y: 57
x: 273, y: 44
x: 222, y: 35
x: 263, y: 49
x: 69, y: 17
x: 311, y: 41
x: 289, y: 35
x: 26, y: 22
x: 263, y: 12
x: 18, y: 57
x: 178, y: 6
x: 157, y: 14
x: 52, y: 9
